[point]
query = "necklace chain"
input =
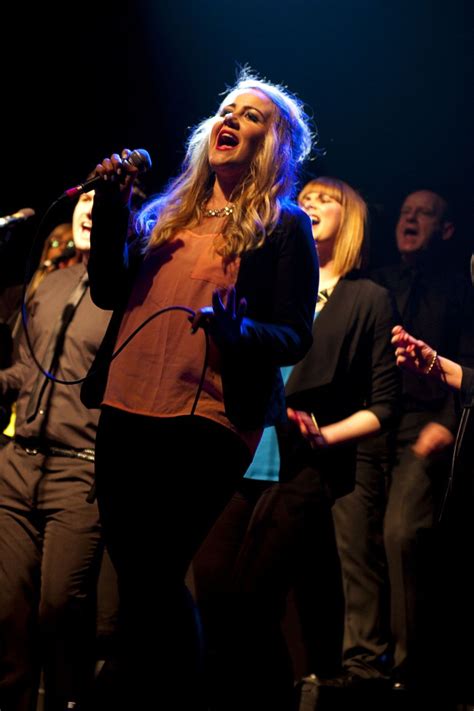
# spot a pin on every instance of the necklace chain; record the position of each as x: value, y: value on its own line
x: 219, y: 212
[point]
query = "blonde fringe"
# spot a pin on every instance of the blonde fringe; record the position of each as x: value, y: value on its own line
x: 349, y: 247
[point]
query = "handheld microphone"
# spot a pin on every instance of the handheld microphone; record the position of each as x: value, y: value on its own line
x: 139, y: 158
x: 20, y: 216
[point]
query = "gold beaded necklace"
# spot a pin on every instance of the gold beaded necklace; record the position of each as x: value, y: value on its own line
x: 219, y: 212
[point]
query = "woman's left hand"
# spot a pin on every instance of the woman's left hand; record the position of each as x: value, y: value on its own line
x: 308, y: 427
x: 223, y: 321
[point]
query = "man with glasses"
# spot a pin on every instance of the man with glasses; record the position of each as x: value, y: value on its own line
x: 393, y: 518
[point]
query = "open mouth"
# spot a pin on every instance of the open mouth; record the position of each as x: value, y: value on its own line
x: 410, y: 232
x: 226, y: 140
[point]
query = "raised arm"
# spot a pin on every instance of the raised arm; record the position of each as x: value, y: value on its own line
x: 418, y: 357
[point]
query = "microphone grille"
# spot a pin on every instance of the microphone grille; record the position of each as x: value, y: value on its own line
x: 25, y: 212
x: 140, y: 158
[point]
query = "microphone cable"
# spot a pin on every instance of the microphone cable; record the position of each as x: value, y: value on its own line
x: 454, y: 460
x: 78, y: 381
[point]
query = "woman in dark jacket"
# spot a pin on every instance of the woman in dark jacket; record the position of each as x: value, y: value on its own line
x: 174, y: 438
x: 270, y: 532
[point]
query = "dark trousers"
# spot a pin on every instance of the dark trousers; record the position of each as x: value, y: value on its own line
x: 49, y: 554
x: 358, y: 519
x: 265, y: 542
x: 161, y: 484
x: 415, y: 490
x: 385, y: 533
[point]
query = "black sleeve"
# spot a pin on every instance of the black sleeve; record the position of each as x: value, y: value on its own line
x: 385, y: 380
x: 467, y: 387
x: 108, y: 265
x: 287, y: 337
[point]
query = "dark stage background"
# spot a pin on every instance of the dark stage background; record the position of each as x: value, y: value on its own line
x: 389, y: 83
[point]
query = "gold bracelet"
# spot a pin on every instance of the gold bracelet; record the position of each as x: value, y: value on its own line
x: 431, y: 365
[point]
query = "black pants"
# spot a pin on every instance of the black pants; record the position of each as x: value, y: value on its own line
x: 358, y: 519
x: 161, y: 484
x: 50, y: 546
x: 269, y: 539
x: 406, y: 518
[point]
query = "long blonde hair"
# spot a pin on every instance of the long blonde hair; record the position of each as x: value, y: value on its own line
x: 350, y: 242
x: 260, y: 195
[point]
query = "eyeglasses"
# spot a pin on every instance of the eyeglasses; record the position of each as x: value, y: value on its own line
x: 55, y: 243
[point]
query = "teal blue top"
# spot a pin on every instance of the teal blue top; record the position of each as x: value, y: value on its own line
x: 265, y: 465
x: 266, y: 462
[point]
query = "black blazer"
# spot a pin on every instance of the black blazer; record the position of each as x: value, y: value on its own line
x: 279, y: 282
x: 467, y: 387
x: 435, y: 303
x: 350, y: 366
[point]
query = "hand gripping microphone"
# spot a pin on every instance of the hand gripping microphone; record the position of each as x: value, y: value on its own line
x: 139, y: 158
